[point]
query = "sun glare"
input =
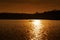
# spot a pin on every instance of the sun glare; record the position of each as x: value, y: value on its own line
x: 37, y: 25
x: 36, y: 22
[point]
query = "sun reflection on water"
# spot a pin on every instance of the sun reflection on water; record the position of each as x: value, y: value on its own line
x: 37, y: 26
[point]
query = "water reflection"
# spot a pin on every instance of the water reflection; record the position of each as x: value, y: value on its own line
x: 37, y: 26
x: 30, y: 29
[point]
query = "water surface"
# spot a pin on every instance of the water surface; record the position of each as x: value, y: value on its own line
x: 30, y: 29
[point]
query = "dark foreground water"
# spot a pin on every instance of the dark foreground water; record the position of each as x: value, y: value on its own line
x: 31, y: 29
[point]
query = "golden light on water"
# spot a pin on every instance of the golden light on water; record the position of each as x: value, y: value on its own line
x: 37, y: 26
x: 36, y: 22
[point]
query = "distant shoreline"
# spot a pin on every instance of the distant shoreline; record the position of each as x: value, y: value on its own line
x: 50, y: 15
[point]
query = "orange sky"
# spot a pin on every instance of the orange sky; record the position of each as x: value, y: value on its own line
x: 28, y: 6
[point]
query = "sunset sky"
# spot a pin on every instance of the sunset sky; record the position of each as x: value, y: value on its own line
x: 28, y: 6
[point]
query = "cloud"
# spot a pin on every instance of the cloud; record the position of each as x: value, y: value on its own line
x: 28, y: 5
